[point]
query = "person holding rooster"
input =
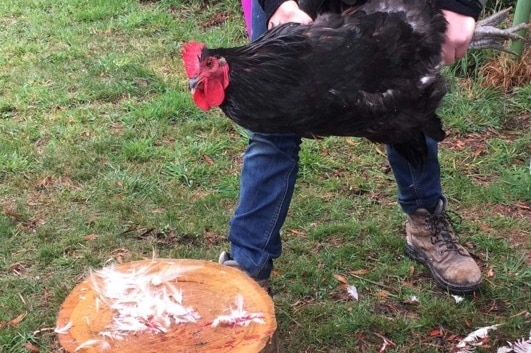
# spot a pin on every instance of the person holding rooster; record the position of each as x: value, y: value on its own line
x: 270, y: 166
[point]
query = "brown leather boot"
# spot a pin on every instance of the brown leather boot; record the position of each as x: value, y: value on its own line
x: 226, y: 259
x: 431, y: 240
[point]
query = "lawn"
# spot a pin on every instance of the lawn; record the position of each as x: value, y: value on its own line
x: 104, y: 157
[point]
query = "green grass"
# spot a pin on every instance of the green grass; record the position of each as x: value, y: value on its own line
x: 103, y: 156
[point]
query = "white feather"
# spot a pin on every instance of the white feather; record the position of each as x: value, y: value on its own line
x: 102, y: 345
x: 458, y: 299
x: 142, y: 299
x: 352, y: 291
x: 64, y: 329
x: 474, y: 336
x: 238, y: 316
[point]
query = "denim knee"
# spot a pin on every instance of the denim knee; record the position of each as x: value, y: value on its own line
x: 268, y: 177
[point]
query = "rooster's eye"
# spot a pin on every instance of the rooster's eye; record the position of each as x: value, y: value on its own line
x: 209, y: 63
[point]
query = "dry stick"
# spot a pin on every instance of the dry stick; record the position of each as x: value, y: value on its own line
x: 44, y: 329
x: 375, y: 283
x: 289, y: 316
x: 520, y: 313
x: 384, y: 338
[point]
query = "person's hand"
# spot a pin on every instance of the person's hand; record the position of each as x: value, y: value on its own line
x: 289, y: 11
x: 458, y: 36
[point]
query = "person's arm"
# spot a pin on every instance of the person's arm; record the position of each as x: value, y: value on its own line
x: 282, y: 11
x: 461, y: 16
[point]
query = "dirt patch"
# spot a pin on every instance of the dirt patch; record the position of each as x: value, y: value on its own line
x: 216, y: 20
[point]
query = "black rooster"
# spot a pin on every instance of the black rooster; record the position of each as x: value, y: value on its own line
x: 372, y: 72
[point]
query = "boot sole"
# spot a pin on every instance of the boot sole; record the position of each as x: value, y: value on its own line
x: 453, y: 288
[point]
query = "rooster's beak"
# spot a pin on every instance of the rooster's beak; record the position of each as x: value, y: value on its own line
x: 192, y: 84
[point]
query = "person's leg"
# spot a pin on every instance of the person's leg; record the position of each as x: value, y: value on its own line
x: 267, y: 181
x: 258, y: 20
x: 417, y: 188
x: 268, y: 176
x: 429, y: 234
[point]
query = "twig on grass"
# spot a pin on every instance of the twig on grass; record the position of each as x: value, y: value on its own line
x: 391, y: 289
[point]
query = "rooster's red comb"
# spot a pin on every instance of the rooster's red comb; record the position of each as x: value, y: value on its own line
x: 191, y: 52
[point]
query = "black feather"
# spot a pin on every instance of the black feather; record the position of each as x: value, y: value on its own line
x: 372, y: 73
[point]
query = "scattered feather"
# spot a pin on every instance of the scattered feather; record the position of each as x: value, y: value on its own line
x: 352, y: 291
x: 102, y: 345
x: 476, y: 335
x: 458, y: 299
x: 238, y: 316
x: 520, y: 346
x: 143, y: 299
x: 64, y: 329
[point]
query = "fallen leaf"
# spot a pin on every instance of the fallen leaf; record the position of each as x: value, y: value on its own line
x: 490, y: 273
x: 31, y: 347
x: 340, y: 279
x: 359, y: 272
x: 382, y: 294
x: 298, y: 233
x: 17, y: 320
x: 435, y: 333
x: 12, y: 214
x: 208, y: 160
x: 47, y: 181
x: 91, y: 236
x: 46, y: 295
x: 485, y: 228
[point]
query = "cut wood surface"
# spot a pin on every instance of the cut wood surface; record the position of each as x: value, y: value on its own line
x: 211, y: 289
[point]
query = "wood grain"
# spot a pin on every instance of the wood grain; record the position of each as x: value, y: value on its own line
x: 209, y: 288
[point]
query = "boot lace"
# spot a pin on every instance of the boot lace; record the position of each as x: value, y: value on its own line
x: 443, y: 236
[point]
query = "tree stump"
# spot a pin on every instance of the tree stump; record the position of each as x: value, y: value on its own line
x: 84, y: 318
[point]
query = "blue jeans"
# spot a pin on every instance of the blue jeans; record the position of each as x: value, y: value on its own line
x: 268, y: 176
